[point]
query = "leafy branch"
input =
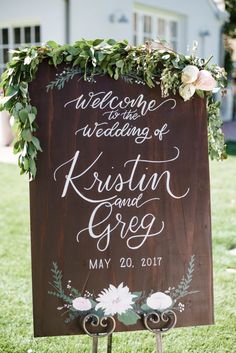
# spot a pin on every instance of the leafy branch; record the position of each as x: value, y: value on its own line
x: 118, y: 59
x: 66, y: 75
x: 57, y: 284
x: 216, y: 141
x: 182, y: 289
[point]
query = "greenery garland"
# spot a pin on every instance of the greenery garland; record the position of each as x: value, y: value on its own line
x: 144, y: 64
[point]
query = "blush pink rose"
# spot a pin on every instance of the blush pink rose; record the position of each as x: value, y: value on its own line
x: 205, y: 81
x: 81, y: 304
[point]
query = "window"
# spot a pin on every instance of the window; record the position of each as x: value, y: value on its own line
x: 135, y: 27
x: 173, y: 34
x: 4, y: 45
x: 15, y: 37
x: 149, y: 26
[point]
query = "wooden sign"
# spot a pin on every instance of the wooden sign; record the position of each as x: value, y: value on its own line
x: 120, y: 208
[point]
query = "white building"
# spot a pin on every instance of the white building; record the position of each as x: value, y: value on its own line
x: 178, y: 22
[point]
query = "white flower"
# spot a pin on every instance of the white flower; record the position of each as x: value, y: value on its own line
x: 115, y: 300
x: 187, y: 91
x: 189, y: 74
x: 81, y: 304
x: 159, y: 301
x: 27, y: 60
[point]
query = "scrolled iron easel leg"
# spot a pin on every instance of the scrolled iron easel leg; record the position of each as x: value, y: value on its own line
x: 97, y: 327
x: 159, y: 342
x: 157, y: 323
x: 95, y: 345
x: 109, y: 343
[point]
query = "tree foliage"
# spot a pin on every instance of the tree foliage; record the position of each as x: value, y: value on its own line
x: 230, y: 26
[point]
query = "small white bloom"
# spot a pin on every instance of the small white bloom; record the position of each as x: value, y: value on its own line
x: 81, y: 304
x: 159, y: 301
x: 181, y: 307
x: 27, y: 60
x: 115, y: 300
x: 187, y: 91
x: 189, y: 74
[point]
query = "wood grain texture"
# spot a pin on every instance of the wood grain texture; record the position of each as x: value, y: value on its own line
x: 56, y: 220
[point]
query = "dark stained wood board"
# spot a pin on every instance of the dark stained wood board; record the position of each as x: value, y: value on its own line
x: 164, y: 177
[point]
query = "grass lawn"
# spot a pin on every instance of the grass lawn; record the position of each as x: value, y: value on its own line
x: 15, y: 281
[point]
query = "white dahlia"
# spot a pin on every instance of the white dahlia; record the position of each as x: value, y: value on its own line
x: 115, y: 300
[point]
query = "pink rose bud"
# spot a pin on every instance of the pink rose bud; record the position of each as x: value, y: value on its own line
x: 205, y: 81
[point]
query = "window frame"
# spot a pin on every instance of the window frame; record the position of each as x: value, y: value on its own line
x: 141, y: 35
x: 11, y: 39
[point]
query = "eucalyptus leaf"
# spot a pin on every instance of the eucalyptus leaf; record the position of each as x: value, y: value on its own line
x: 130, y: 317
x: 137, y: 294
x: 31, y: 117
x: 33, y: 168
x: 26, y: 135
x: 200, y: 93
x: 23, y: 115
x: 36, y: 143
x: 52, y: 44
x: 120, y: 63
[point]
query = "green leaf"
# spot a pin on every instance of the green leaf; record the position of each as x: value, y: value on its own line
x: 31, y: 117
x: 120, y: 63
x: 36, y: 143
x: 11, y: 91
x: 16, y: 147
x: 145, y: 307
x: 23, y: 115
x: 33, y: 168
x: 52, y: 44
x: 116, y: 76
x: 97, y: 42
x: 138, y: 295
x: 26, y: 135
x: 18, y: 106
x: 200, y: 93
x: 26, y: 163
x: 111, y: 41
x: 110, y: 72
x: 69, y: 57
x: 101, y: 56
x: 128, y: 318
x: 34, y: 110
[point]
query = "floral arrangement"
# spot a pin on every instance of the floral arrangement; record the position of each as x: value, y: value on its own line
x: 127, y: 306
x: 146, y: 64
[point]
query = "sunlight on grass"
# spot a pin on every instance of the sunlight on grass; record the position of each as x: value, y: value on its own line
x: 15, y: 285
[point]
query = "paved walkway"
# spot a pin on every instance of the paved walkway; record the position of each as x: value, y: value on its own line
x: 7, y: 156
